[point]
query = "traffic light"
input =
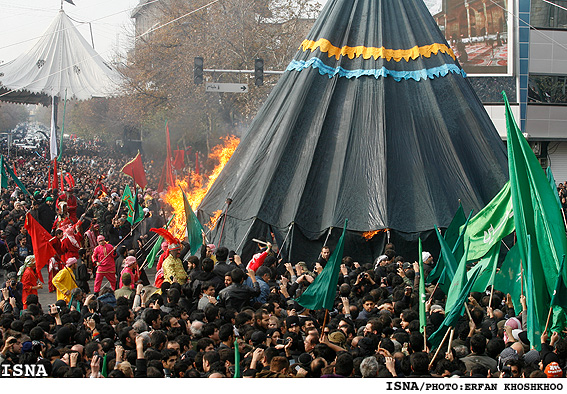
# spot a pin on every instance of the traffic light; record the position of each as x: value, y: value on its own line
x: 198, y: 71
x: 259, y: 72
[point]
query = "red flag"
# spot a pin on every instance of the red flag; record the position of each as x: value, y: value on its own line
x: 42, y: 249
x: 179, y: 162
x: 197, y: 163
x: 15, y: 173
x: 135, y: 169
x: 69, y: 179
x: 167, y: 171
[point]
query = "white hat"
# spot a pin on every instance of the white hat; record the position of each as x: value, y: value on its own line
x: 425, y: 256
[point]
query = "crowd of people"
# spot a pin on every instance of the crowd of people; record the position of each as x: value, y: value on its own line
x: 214, y: 315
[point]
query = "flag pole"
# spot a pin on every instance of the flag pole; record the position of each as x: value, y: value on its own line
x: 548, y: 319
x: 439, y: 348
x: 424, y: 338
x: 433, y: 292
x: 468, y: 312
x: 451, y: 339
x: 491, y: 293
x: 324, y: 322
x: 124, y: 239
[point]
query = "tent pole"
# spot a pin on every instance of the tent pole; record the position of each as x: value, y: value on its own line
x: 285, y: 239
x: 228, y: 202
x: 245, y: 235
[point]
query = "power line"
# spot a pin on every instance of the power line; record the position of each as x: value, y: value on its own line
x: 151, y: 30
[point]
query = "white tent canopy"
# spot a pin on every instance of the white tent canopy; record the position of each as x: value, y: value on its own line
x: 61, y: 61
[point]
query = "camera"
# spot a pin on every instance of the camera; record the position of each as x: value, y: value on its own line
x: 51, y: 305
x: 506, y: 371
x: 279, y: 341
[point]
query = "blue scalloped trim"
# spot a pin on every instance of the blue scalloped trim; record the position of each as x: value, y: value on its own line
x: 417, y: 75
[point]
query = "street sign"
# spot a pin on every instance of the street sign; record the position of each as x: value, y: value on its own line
x: 226, y: 87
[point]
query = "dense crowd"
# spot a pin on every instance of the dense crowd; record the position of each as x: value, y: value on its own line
x: 214, y: 315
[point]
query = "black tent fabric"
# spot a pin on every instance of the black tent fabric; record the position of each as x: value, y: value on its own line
x: 374, y: 121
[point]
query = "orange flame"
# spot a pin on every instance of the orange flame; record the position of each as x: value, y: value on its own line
x: 370, y: 234
x: 195, y: 189
x: 213, y: 222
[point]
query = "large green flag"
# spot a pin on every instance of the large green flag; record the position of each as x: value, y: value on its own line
x: 194, y: 228
x: 450, y: 261
x: 322, y: 291
x: 509, y: 278
x: 491, y: 224
x: 455, y: 311
x: 422, y: 297
x: 551, y: 180
x: 459, y: 281
x: 487, y: 267
x: 451, y: 236
x: 535, y: 325
x: 559, y: 301
x: 536, y: 214
x: 559, y: 297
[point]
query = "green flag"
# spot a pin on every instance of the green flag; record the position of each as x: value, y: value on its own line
x: 559, y: 297
x: 491, y: 224
x: 509, y: 278
x: 14, y: 178
x: 454, y: 312
x: 150, y: 259
x: 237, y: 372
x: 559, y: 301
x: 104, y: 369
x: 450, y: 263
x: 487, y: 267
x: 194, y: 228
x: 552, y: 184
x: 536, y: 214
x: 128, y: 202
x: 422, y: 297
x: 322, y: 291
x: 459, y: 281
x: 534, y: 310
x: 3, y: 175
x: 138, y: 211
x: 451, y: 236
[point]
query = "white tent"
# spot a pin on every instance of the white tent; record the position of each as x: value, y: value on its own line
x: 61, y: 61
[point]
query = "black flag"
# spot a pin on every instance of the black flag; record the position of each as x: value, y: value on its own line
x: 70, y: 2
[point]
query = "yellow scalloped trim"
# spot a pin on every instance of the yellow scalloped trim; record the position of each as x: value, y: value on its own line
x: 368, y: 52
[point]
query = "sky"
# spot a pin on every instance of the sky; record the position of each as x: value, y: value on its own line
x: 22, y: 22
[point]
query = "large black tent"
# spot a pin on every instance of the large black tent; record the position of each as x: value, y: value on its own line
x: 374, y: 121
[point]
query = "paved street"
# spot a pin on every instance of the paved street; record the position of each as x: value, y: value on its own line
x: 46, y: 298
